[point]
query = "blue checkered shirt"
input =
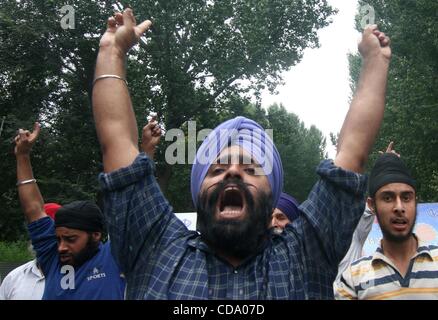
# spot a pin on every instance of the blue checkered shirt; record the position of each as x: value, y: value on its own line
x: 162, y: 259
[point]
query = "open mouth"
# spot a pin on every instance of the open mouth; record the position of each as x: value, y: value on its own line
x: 399, y: 223
x: 231, y: 203
x: 65, y: 257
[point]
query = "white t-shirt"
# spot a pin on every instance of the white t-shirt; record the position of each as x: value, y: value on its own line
x: 23, y: 283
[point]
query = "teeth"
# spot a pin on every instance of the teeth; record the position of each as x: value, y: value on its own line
x: 230, y: 213
x: 230, y: 189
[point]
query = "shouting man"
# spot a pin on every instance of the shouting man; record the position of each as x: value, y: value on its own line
x: 236, y: 182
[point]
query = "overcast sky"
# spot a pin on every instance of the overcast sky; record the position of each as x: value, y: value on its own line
x: 318, y: 89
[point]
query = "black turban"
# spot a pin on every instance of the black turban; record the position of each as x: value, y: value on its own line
x: 81, y: 215
x: 389, y: 168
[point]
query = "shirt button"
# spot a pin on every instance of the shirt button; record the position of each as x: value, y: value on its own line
x: 235, y: 271
x: 241, y: 292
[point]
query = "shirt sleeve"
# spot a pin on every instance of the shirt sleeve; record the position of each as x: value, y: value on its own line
x: 360, y: 235
x: 330, y: 215
x: 363, y: 228
x: 344, y: 287
x: 43, y: 236
x: 139, y: 217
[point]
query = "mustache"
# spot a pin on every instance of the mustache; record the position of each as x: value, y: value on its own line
x: 223, y: 183
x: 219, y: 187
x: 399, y: 220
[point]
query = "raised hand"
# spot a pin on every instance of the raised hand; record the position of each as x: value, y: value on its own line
x: 150, y: 137
x: 390, y: 149
x: 25, y: 140
x: 123, y: 32
x: 374, y: 43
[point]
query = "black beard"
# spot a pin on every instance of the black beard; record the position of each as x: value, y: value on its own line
x: 88, y: 252
x: 236, y: 238
x: 387, y: 235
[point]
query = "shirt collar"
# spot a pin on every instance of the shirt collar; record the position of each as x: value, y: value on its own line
x: 197, y: 243
x: 422, y: 249
x: 35, y: 270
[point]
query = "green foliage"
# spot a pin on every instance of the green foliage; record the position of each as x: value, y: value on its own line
x: 202, y: 59
x: 45, y: 75
x: 17, y: 251
x: 301, y: 150
x: 199, y: 49
x: 199, y: 52
x: 412, y: 109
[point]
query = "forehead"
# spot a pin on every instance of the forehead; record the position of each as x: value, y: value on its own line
x: 234, y: 155
x: 396, y: 188
x: 68, y: 232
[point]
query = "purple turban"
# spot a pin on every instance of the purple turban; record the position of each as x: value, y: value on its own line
x: 247, y: 134
x: 289, y: 206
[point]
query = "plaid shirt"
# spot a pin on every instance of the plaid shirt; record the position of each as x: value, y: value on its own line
x: 162, y: 259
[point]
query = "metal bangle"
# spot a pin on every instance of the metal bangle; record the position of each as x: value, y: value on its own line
x: 20, y: 183
x: 104, y: 76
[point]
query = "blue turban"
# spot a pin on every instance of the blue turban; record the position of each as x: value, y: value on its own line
x: 247, y: 134
x: 289, y: 206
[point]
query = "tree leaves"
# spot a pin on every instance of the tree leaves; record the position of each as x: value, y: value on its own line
x: 412, y: 108
x: 201, y: 62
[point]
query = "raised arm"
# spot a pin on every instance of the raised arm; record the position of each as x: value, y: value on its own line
x: 364, y: 118
x: 31, y: 199
x: 115, y: 120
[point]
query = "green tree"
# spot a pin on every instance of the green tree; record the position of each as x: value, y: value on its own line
x: 200, y: 58
x: 200, y: 51
x: 45, y: 75
x: 301, y: 150
x: 412, y: 109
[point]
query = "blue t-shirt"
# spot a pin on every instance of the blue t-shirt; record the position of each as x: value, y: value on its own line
x: 97, y: 279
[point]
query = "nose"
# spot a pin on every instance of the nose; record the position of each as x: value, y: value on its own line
x: 274, y: 223
x: 234, y: 171
x: 399, y: 207
x: 62, y: 247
